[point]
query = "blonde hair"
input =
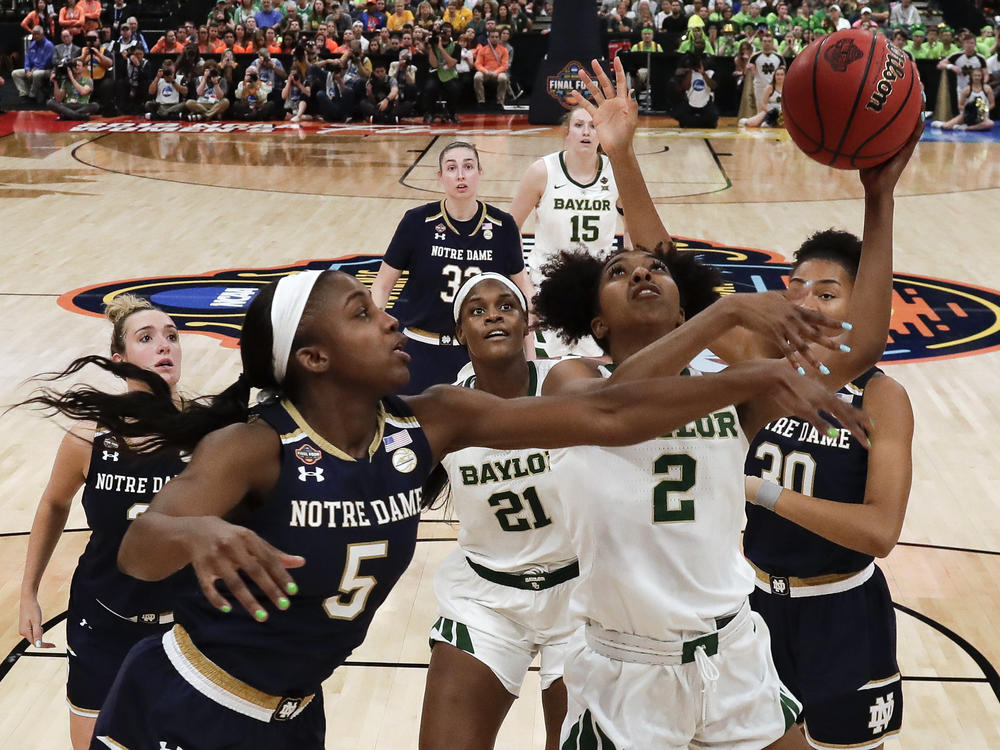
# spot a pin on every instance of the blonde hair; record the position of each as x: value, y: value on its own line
x: 118, y: 311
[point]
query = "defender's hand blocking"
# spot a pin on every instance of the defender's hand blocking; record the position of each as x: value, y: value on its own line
x: 614, y: 110
x: 221, y: 550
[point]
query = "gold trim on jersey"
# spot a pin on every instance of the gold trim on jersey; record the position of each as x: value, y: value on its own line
x: 872, y: 743
x: 880, y: 683
x: 90, y: 713
x: 222, y: 679
x: 397, y: 421
x: 482, y: 217
x: 812, y: 581
x: 325, y: 444
x: 110, y: 742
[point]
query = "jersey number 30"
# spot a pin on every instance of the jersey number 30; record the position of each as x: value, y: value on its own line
x: 680, y: 468
x: 353, y: 586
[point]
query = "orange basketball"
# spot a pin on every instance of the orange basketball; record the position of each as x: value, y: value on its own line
x: 851, y: 99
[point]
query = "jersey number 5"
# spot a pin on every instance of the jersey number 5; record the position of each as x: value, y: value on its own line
x: 510, y: 505
x: 353, y: 586
x: 585, y: 228
x: 454, y: 277
x: 681, y: 471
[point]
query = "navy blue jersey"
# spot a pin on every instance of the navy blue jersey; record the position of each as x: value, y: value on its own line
x: 795, y: 455
x: 119, y: 487
x: 354, y: 521
x: 440, y: 253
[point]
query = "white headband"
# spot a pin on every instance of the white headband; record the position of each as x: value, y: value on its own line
x: 463, y: 292
x: 290, y: 297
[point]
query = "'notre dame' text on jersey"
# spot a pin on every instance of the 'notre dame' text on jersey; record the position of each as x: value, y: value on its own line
x: 441, y: 252
x: 792, y: 453
x: 505, y: 501
x: 120, y: 485
x: 355, y: 523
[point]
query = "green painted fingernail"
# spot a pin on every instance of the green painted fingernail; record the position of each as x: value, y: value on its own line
x: 226, y: 608
x: 283, y: 603
x: 845, y: 348
x: 824, y: 369
x: 832, y: 432
x: 847, y: 326
x: 292, y: 588
x: 869, y: 442
x: 261, y: 615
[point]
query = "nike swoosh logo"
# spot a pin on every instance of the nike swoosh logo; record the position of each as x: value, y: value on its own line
x: 559, y: 187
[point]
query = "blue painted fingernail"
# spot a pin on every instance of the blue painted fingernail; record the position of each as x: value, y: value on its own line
x: 226, y: 608
x: 800, y: 370
x: 38, y: 643
x: 292, y: 588
x: 283, y: 603
x: 845, y: 348
x: 261, y: 615
x: 832, y: 432
x: 824, y: 369
x: 847, y: 326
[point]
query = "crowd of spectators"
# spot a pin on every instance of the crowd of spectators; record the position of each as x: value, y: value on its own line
x: 383, y: 60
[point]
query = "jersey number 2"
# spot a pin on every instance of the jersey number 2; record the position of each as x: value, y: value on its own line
x: 355, y: 587
x: 681, y: 470
x: 585, y: 228
x: 510, y: 505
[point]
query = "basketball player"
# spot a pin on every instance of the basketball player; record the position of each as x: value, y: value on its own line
x: 324, y: 478
x: 764, y: 64
x: 574, y: 195
x: 663, y: 585
x: 441, y: 244
x: 108, y: 612
x: 827, y: 605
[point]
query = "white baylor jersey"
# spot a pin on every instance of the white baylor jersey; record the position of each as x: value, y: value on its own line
x: 656, y: 527
x: 505, y: 501
x: 570, y: 215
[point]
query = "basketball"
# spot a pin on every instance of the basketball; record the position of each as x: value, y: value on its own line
x: 851, y: 99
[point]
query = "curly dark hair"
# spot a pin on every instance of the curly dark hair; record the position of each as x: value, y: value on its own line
x: 834, y: 245
x: 567, y: 300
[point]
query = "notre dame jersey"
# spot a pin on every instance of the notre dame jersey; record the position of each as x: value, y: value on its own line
x: 656, y: 527
x: 354, y: 521
x: 440, y: 253
x: 120, y: 485
x: 570, y: 215
x: 505, y: 501
x: 795, y: 455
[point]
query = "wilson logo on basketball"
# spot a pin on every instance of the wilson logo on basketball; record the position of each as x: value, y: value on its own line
x: 894, y: 70
x: 931, y: 318
x: 842, y: 54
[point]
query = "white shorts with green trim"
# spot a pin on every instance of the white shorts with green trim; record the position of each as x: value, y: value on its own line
x: 503, y: 627
x: 671, y: 696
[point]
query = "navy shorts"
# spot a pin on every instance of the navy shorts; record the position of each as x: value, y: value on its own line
x: 152, y: 706
x: 431, y: 364
x: 837, y: 655
x: 98, y: 643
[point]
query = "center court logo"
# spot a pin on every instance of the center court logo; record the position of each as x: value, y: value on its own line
x: 931, y: 318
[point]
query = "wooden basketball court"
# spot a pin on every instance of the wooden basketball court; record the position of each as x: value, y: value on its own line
x: 82, y: 208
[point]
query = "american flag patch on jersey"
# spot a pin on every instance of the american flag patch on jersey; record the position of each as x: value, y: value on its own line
x: 396, y: 440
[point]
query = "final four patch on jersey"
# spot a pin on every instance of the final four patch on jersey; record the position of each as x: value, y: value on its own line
x: 931, y: 318
x: 307, y: 454
x: 404, y: 460
x: 110, y: 443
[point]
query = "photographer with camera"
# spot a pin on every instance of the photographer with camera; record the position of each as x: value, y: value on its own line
x: 357, y: 68
x: 98, y: 64
x: 336, y: 100
x: 696, y: 80
x: 167, y: 92
x: 133, y: 84
x: 71, y: 92
x: 295, y: 95
x: 211, y: 89
x: 252, y: 98
x: 443, y: 78
x: 404, y: 73
x: 381, y: 96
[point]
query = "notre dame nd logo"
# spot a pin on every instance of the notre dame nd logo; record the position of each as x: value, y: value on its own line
x: 931, y: 318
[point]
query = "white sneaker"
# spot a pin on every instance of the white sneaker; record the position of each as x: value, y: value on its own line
x: 961, y: 126
x: 742, y: 122
x: 936, y: 124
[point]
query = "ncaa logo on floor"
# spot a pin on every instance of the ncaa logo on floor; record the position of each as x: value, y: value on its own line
x: 931, y: 318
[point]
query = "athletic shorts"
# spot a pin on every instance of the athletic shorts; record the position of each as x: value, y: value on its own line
x: 97, y: 643
x: 431, y: 364
x: 628, y: 705
x: 152, y: 706
x: 503, y: 627
x: 837, y: 653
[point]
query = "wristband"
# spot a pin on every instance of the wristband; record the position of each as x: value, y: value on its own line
x: 768, y: 494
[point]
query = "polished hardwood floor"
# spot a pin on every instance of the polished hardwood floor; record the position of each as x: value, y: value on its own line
x: 81, y: 208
